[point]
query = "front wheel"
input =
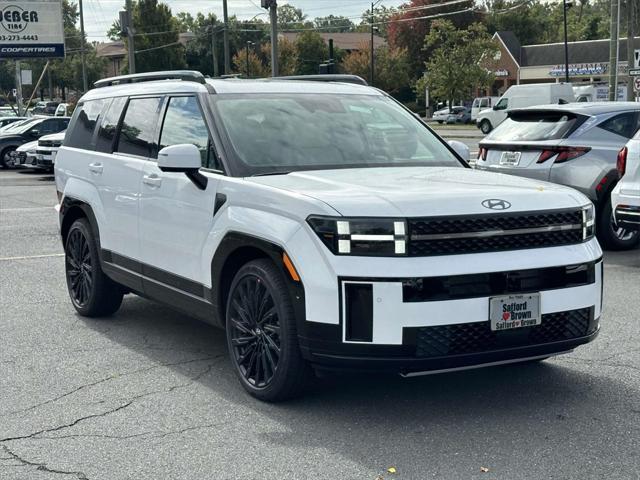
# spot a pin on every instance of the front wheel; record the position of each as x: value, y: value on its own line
x: 612, y: 236
x: 5, y: 158
x: 485, y: 126
x: 92, y: 293
x: 261, y: 333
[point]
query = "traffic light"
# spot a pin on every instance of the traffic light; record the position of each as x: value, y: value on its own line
x: 267, y: 4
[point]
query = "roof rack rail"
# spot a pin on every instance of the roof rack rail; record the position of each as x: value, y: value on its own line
x: 184, y: 75
x: 326, y: 78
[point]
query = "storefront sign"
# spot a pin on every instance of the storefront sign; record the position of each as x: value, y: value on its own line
x: 577, y: 69
x: 31, y: 28
x: 501, y: 73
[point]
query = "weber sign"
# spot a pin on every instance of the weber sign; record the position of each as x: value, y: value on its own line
x: 31, y: 28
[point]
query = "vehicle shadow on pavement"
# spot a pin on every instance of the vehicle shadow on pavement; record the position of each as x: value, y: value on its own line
x: 457, y: 418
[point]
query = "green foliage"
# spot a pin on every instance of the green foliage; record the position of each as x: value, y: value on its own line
x: 380, y: 15
x: 453, y: 70
x: 333, y: 23
x: 312, y: 51
x: 290, y: 17
x: 392, y: 67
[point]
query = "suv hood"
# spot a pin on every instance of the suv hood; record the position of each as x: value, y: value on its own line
x: 54, y: 136
x: 422, y: 191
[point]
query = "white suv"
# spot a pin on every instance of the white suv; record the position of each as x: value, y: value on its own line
x: 626, y: 195
x: 322, y: 225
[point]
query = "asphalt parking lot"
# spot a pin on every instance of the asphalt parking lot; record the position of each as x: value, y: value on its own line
x: 150, y: 394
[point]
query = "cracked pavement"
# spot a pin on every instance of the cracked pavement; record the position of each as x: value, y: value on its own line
x: 149, y: 393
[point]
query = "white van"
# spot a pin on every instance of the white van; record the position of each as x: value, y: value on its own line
x: 520, y: 96
x: 482, y: 103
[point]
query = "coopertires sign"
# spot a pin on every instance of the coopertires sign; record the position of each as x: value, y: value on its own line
x: 31, y: 28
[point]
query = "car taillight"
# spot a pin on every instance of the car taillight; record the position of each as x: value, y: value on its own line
x: 621, y: 161
x: 563, y: 153
x: 482, y: 154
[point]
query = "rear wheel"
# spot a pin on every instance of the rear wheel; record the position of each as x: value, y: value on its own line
x: 92, y: 293
x: 485, y: 126
x: 261, y: 333
x: 612, y: 236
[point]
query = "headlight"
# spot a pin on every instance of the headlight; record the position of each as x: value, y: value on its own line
x: 588, y: 221
x: 362, y: 236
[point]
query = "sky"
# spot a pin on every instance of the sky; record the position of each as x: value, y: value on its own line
x: 100, y: 14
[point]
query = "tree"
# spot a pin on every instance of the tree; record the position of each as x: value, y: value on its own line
x: 290, y: 17
x: 198, y: 50
x: 333, y: 23
x: 287, y: 57
x: 256, y: 68
x: 404, y: 32
x: 312, y: 51
x: 380, y: 15
x: 454, y: 69
x: 159, y: 50
x: 392, y: 68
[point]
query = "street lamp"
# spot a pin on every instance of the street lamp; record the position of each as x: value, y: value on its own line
x: 249, y: 44
x: 373, y: 4
x: 566, y: 6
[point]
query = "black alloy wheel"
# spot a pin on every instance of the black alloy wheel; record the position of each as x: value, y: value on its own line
x: 92, y: 293
x: 79, y: 268
x: 261, y: 333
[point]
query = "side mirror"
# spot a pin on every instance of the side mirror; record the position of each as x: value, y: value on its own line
x: 184, y: 158
x: 461, y: 149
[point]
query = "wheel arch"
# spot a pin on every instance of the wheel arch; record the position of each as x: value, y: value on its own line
x: 71, y: 209
x: 235, y: 250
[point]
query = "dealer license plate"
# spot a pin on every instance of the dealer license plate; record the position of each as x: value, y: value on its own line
x: 510, y: 158
x: 514, y: 311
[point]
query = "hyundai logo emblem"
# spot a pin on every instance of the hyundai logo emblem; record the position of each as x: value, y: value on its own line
x: 496, y: 204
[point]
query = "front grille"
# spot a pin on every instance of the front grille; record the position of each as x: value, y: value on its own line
x: 478, y: 337
x: 493, y: 232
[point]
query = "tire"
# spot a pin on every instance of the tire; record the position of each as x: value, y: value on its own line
x: 485, y: 126
x: 610, y: 235
x: 92, y: 293
x: 440, y: 122
x: 4, y: 157
x: 261, y: 334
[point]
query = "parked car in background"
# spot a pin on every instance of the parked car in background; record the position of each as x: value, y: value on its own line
x: 442, y: 115
x: 29, y: 130
x: 575, y: 145
x: 48, y: 146
x: 44, y: 108
x: 459, y: 115
x: 521, y: 96
x: 24, y: 156
x: 63, y: 110
x: 4, y: 121
x: 626, y: 194
x: 481, y: 103
x: 7, y: 111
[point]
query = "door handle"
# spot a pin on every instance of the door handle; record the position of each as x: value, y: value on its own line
x: 152, y: 180
x: 96, y: 168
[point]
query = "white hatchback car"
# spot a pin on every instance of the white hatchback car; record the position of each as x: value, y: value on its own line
x: 322, y: 225
x: 626, y: 195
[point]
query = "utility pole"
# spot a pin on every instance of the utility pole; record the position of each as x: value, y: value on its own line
x: 247, y: 51
x: 273, y: 14
x: 371, y: 21
x: 85, y: 87
x: 613, y: 50
x: 566, y: 41
x: 272, y: 6
x: 225, y: 38
x: 126, y: 23
x: 214, y: 53
x: 21, y: 111
x: 631, y: 95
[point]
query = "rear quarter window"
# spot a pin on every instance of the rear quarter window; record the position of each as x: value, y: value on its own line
x: 625, y: 124
x: 83, y: 124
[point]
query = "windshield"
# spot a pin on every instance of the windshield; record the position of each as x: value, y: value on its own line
x: 535, y: 126
x: 281, y: 133
x: 15, y: 127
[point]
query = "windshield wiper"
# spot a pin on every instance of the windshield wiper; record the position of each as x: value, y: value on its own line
x: 265, y: 174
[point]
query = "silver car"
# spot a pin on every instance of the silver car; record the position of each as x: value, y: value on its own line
x: 575, y: 144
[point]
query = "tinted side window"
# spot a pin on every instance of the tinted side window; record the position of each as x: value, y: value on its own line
x: 502, y: 104
x: 137, y: 133
x: 183, y: 123
x: 624, y: 124
x: 484, y: 102
x: 84, y: 124
x: 109, y: 125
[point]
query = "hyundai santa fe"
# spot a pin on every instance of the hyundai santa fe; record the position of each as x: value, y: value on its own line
x: 322, y: 226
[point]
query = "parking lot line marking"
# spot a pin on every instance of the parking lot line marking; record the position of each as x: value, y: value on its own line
x: 18, y: 209
x: 29, y: 257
